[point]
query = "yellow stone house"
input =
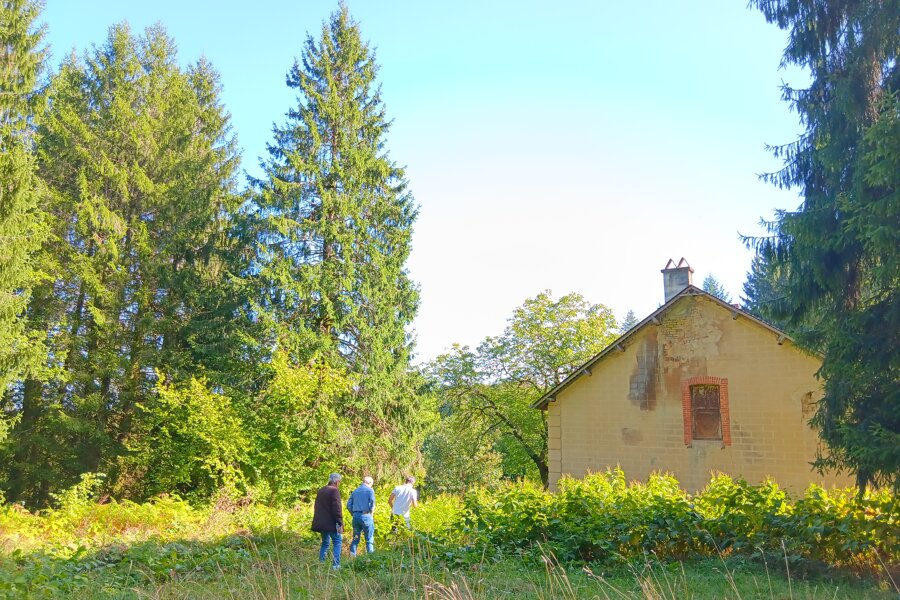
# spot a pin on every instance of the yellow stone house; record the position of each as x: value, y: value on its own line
x: 698, y: 386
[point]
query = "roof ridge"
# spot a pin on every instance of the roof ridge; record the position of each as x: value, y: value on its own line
x: 689, y: 290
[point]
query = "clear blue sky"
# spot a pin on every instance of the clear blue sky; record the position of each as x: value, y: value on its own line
x: 574, y: 146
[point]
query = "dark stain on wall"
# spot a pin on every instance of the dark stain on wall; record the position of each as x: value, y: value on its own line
x: 642, y: 387
x: 631, y: 437
x: 808, y: 406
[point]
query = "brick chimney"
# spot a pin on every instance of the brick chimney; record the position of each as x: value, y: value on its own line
x: 676, y: 277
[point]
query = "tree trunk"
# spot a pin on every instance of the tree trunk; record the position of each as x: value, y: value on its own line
x: 23, y: 435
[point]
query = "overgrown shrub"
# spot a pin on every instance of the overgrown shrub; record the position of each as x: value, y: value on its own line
x: 189, y: 440
x: 740, y: 517
x: 515, y: 515
x: 602, y: 517
x: 598, y: 518
x: 841, y: 528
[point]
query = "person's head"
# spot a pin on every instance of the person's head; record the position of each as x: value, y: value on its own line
x: 410, y: 479
x: 334, y: 479
x: 368, y: 481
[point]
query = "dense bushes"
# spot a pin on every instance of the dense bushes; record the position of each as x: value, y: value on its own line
x: 602, y: 517
x: 599, y: 518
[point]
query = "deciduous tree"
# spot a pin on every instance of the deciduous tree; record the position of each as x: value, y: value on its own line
x: 490, y: 390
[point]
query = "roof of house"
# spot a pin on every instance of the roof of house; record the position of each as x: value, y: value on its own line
x: 620, y: 342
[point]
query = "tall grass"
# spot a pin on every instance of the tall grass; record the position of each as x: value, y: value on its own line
x: 597, y: 538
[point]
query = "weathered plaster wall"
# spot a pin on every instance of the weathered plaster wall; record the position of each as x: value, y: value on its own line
x: 629, y: 411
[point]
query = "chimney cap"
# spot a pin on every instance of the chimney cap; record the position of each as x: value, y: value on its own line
x: 682, y: 264
x: 676, y: 277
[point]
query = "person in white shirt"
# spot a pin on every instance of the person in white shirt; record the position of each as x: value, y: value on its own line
x: 403, y: 499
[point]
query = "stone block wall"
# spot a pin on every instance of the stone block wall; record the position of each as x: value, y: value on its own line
x: 630, y: 411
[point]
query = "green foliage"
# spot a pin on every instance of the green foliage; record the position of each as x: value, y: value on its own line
x: 5, y: 425
x: 514, y: 516
x: 765, y: 292
x: 195, y: 442
x: 296, y: 428
x: 138, y: 267
x: 486, y: 395
x: 187, y: 440
x: 335, y: 231
x: 628, y: 322
x: 839, y: 248
x: 508, y: 541
x: 711, y: 285
x: 164, y: 371
x: 21, y: 219
x: 458, y: 456
x: 739, y: 517
x: 81, y: 495
x: 602, y: 518
x: 546, y: 339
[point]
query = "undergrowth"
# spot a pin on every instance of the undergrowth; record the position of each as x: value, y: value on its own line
x: 597, y: 537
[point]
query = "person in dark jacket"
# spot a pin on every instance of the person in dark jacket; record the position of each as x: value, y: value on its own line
x: 328, y: 519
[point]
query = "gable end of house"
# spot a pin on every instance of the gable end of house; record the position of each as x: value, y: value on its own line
x: 621, y: 344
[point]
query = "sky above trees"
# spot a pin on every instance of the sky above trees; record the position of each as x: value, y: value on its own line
x: 575, y: 146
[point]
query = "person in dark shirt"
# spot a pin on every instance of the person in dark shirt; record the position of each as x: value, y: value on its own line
x: 328, y: 519
x: 361, y: 504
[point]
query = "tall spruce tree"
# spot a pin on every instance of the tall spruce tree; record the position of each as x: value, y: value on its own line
x: 140, y: 172
x: 21, y: 223
x: 630, y: 321
x: 764, y: 293
x: 338, y: 222
x: 713, y: 286
x: 840, y: 245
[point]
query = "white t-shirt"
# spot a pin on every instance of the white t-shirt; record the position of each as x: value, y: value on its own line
x: 404, y: 495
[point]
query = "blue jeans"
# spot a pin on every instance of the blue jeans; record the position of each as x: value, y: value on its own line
x: 335, y: 538
x: 363, y: 524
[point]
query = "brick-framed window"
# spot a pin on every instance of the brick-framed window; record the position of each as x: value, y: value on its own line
x: 704, y: 405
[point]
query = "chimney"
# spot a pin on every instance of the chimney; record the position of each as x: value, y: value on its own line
x: 676, y: 277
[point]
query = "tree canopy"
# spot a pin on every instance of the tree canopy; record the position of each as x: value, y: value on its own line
x: 22, y: 226
x: 838, y: 249
x: 628, y: 322
x: 711, y: 285
x: 489, y: 391
x: 336, y: 223
x: 140, y: 173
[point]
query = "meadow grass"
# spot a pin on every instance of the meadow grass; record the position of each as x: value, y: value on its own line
x: 282, y: 564
x: 167, y: 548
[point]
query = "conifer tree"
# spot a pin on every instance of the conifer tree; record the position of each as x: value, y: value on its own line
x: 338, y: 221
x: 140, y: 172
x: 629, y: 322
x: 840, y: 245
x: 21, y: 223
x: 764, y: 292
x: 711, y: 285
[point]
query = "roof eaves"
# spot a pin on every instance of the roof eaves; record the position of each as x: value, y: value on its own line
x: 619, y: 343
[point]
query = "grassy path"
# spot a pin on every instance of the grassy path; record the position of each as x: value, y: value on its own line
x: 167, y: 549
x: 285, y: 565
